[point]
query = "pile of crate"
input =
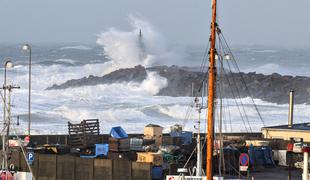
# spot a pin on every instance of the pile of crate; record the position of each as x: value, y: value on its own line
x: 121, y: 146
x: 119, y: 141
x: 153, y: 147
x: 152, y: 140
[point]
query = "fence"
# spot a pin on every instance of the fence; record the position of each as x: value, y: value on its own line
x: 65, y: 167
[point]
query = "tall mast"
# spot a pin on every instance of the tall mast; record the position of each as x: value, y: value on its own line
x: 211, y: 95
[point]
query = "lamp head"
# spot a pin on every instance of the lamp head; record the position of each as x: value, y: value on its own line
x: 216, y: 57
x: 8, y: 64
x: 26, y: 47
x: 227, y: 57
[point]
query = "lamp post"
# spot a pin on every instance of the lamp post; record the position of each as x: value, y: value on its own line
x: 8, y: 64
x: 27, y: 47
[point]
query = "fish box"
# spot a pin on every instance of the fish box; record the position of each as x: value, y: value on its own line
x: 118, y: 145
x: 152, y: 130
x: 118, y: 132
x: 154, y: 158
x: 136, y: 144
x: 148, y: 142
x: 158, y: 139
x: 176, y: 141
x: 186, y: 135
x: 157, y: 172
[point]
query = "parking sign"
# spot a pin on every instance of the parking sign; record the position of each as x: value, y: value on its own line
x: 30, y: 157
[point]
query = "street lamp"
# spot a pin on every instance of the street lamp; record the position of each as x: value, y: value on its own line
x: 8, y: 64
x: 27, y: 48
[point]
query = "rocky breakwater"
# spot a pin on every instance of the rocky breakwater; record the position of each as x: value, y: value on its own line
x: 271, y: 88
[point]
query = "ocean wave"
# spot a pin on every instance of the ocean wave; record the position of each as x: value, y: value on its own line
x: 127, y: 104
x: 127, y: 49
x: 80, y: 47
x: 66, y: 61
x: 132, y: 107
x: 265, y: 51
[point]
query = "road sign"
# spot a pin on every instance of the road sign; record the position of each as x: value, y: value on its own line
x: 244, y: 159
x: 30, y: 157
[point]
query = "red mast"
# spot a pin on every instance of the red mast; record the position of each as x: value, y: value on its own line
x: 211, y: 94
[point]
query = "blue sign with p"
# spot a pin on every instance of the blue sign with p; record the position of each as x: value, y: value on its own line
x: 30, y: 157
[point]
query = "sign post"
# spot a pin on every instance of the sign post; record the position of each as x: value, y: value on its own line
x: 244, y: 162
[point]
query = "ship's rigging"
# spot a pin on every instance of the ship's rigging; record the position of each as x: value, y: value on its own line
x: 222, y: 65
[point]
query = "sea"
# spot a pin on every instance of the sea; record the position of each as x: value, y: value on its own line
x: 134, y: 105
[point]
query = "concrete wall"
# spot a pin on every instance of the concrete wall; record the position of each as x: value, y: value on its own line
x: 63, y: 139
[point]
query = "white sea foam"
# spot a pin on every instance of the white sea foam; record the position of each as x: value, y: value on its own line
x: 45, y: 76
x: 80, y: 47
x: 266, y: 51
x: 69, y: 61
x: 126, y: 50
x: 153, y: 83
x: 131, y: 105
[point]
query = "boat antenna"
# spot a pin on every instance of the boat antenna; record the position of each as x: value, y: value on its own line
x: 211, y: 95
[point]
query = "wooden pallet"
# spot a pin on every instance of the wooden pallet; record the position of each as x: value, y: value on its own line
x: 84, y: 134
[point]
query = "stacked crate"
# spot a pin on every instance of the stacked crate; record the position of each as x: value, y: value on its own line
x: 155, y: 158
x: 152, y: 131
x: 170, y: 140
x: 136, y: 144
x: 153, y: 134
x: 119, y: 141
x: 119, y: 145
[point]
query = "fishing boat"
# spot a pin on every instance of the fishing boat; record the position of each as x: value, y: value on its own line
x: 218, y: 52
x: 210, y: 114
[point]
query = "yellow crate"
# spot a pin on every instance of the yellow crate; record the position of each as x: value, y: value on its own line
x: 153, y: 131
x: 154, y: 158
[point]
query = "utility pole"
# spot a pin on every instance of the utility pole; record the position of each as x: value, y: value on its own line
x: 7, y: 123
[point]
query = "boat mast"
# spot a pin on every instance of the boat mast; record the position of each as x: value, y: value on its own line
x: 211, y: 94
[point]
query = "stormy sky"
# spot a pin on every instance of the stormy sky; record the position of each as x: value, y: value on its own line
x: 244, y: 22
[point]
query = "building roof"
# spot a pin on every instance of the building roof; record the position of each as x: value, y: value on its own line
x: 297, y: 127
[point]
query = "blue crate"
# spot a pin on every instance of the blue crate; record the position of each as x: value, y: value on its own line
x: 100, y: 149
x: 118, y: 132
x: 186, y: 136
x: 157, y: 172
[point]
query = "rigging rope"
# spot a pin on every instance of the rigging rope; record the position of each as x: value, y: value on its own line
x: 201, y: 70
x: 242, y: 114
x: 241, y: 76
